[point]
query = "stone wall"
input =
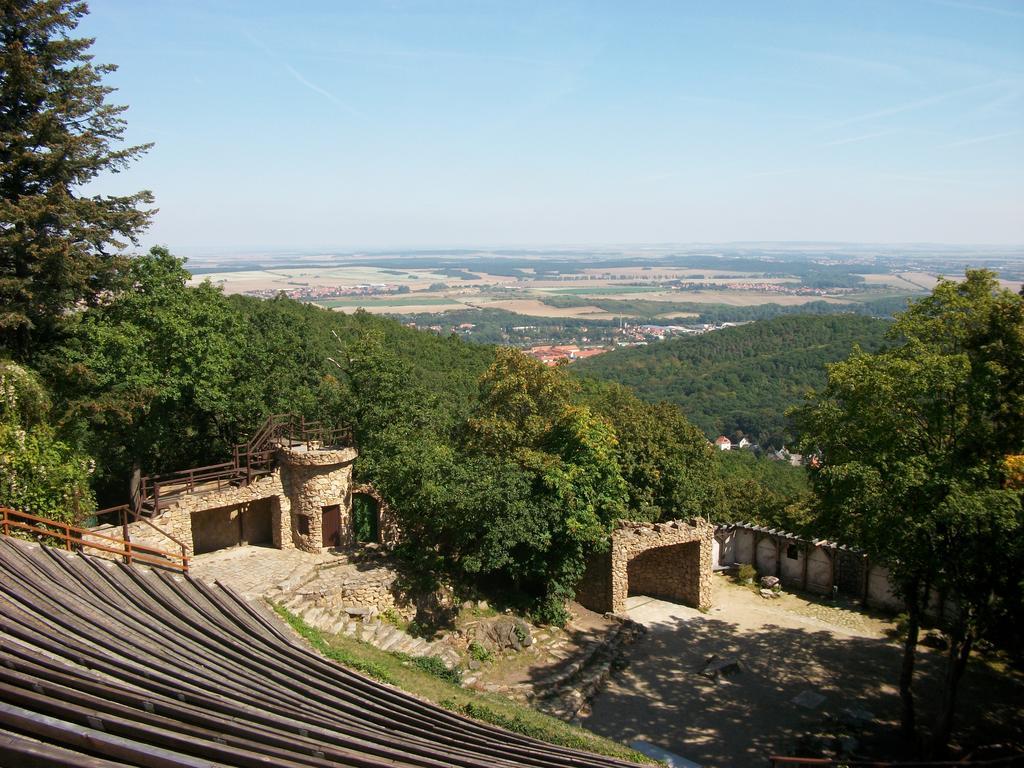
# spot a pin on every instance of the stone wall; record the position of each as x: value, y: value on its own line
x: 176, y: 520
x: 358, y: 592
x: 671, y: 559
x: 819, y: 566
x: 303, y: 483
x: 388, y: 531
x: 312, y: 480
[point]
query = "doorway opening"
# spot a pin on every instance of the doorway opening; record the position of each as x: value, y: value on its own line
x: 365, y: 518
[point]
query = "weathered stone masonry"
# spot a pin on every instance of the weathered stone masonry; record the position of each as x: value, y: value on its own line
x: 670, y: 560
x: 303, y: 483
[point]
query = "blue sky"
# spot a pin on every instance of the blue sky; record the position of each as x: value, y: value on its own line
x: 379, y: 124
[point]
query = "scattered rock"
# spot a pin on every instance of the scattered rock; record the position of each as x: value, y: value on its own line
x: 857, y: 718
x: 769, y: 582
x: 768, y: 594
x: 504, y: 632
x: 935, y: 640
x: 809, y: 700
x: 724, y: 667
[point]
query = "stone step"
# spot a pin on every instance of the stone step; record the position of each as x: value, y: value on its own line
x: 293, y: 602
x: 367, y: 630
x: 404, y: 644
x: 392, y: 639
x: 418, y: 647
x: 312, y: 615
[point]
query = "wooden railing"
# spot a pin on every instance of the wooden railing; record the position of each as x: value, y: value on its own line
x: 249, y: 460
x: 76, y: 539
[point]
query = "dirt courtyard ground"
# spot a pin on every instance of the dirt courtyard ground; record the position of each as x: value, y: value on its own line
x: 833, y: 657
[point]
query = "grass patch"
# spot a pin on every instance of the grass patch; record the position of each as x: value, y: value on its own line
x: 424, y: 679
x: 316, y: 638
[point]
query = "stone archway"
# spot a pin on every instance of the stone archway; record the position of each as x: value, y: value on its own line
x: 386, y: 530
x: 670, y: 560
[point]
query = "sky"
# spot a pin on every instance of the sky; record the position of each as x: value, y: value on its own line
x: 335, y: 124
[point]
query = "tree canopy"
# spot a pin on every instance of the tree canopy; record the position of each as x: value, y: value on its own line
x: 915, y: 444
x: 58, y: 247
x: 740, y: 381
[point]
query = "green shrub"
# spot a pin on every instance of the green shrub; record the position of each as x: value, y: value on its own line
x: 747, y: 574
x: 433, y: 665
x: 478, y: 652
x: 393, y: 617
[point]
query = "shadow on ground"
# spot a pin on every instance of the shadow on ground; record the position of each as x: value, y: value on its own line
x: 741, y: 718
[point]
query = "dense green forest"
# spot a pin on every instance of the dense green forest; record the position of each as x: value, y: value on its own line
x: 740, y: 381
x: 505, y: 473
x: 499, y: 326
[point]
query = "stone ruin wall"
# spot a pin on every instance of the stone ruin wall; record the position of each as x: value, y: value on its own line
x: 671, y: 560
x: 368, y: 594
x: 303, y: 484
x: 818, y: 566
x: 388, y: 531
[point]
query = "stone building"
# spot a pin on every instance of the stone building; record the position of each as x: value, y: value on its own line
x: 672, y: 560
x: 304, y: 502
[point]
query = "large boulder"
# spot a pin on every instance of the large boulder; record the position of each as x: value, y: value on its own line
x: 504, y: 632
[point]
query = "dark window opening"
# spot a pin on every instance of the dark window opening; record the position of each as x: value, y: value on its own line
x: 793, y: 552
x: 303, y: 525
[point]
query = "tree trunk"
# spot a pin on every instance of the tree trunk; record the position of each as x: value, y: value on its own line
x: 135, y: 488
x: 908, y: 722
x: 960, y: 643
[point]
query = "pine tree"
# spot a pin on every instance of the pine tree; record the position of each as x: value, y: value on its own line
x: 59, y: 249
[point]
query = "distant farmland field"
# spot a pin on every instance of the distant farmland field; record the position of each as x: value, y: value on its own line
x: 398, y: 301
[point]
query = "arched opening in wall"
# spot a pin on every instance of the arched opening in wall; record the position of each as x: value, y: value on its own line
x: 671, y: 572
x: 365, y: 518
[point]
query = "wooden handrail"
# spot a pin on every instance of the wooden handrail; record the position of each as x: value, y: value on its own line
x: 248, y: 459
x: 74, y: 537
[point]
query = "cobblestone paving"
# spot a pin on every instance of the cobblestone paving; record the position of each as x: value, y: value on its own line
x: 253, y: 571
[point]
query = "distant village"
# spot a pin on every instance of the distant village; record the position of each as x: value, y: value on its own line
x: 305, y: 292
x: 723, y: 443
x: 558, y: 348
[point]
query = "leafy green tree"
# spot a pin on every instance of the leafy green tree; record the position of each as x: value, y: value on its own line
x: 913, y: 444
x: 739, y: 380
x: 526, y: 413
x: 668, y: 464
x: 39, y: 473
x: 58, y: 248
x: 772, y: 493
x: 147, y: 378
x: 513, y: 498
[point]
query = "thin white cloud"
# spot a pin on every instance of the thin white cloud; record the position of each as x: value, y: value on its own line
x: 855, y: 139
x: 309, y: 84
x: 853, y: 62
x: 910, y: 106
x: 981, y: 139
x: 983, y: 8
